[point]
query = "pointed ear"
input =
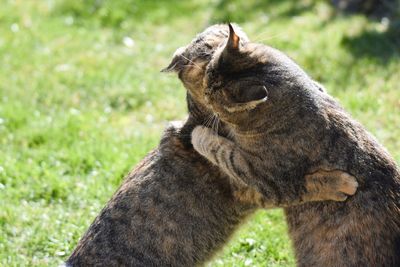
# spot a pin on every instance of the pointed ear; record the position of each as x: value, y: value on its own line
x: 233, y: 40
x: 232, y: 46
x: 176, y: 62
x: 247, y: 98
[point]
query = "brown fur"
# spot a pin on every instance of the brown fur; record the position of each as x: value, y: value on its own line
x: 190, y: 62
x: 175, y: 208
x: 234, y: 161
x: 295, y: 128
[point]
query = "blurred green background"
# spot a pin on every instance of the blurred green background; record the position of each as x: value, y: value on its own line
x: 82, y: 101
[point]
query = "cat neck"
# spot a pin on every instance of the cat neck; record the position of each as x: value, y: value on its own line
x: 198, y: 112
x: 198, y: 115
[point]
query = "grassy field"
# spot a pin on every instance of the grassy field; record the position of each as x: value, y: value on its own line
x: 82, y: 101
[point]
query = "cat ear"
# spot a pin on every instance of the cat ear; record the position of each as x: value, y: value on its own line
x: 247, y: 98
x: 176, y: 62
x: 232, y: 46
x: 255, y: 93
x: 233, y: 40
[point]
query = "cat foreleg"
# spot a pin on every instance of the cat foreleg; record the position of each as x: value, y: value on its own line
x: 318, y: 186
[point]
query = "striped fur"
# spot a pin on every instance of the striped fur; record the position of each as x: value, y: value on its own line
x: 245, y: 169
x: 191, y: 64
x: 299, y: 129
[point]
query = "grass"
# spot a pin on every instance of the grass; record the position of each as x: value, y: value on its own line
x: 82, y: 101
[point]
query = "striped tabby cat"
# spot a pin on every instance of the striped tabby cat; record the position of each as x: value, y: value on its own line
x: 283, y: 126
x: 175, y: 208
x: 190, y: 63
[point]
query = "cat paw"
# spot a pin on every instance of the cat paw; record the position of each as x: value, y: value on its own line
x: 347, y: 184
x: 343, y: 185
x: 200, y: 138
x: 331, y: 185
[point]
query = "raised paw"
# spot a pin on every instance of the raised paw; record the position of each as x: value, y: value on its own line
x: 347, y: 183
x: 201, y: 137
x: 330, y: 185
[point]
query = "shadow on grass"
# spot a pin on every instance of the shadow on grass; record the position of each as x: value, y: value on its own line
x: 370, y: 43
x: 240, y: 11
x: 380, y: 46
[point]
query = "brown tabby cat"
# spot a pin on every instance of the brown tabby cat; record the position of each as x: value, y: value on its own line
x: 175, y: 208
x: 282, y: 127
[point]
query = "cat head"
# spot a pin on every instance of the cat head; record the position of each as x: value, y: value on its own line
x: 190, y: 61
x: 247, y: 83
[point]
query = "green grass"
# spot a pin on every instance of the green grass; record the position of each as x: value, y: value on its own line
x: 79, y: 106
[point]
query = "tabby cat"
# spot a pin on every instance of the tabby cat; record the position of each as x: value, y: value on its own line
x: 282, y: 126
x: 175, y: 208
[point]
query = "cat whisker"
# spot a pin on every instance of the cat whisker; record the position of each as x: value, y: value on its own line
x: 190, y: 65
x: 259, y: 40
x: 217, y: 123
x: 212, y: 126
x: 215, y: 126
x: 230, y: 134
x: 208, y: 121
x: 211, y: 121
x: 194, y: 64
x: 256, y: 39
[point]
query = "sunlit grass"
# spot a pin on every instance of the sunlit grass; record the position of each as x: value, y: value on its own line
x: 82, y: 101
